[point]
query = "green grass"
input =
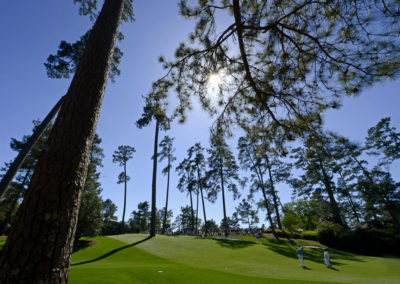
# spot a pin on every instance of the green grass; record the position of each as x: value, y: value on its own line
x: 2, y: 242
x: 182, y: 259
x: 133, y: 259
x: 112, y: 261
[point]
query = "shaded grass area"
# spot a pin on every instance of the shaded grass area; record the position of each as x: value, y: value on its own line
x: 310, y: 254
x: 233, y: 244
x: 111, y: 252
x: 2, y: 242
x: 112, y: 261
x: 269, y: 259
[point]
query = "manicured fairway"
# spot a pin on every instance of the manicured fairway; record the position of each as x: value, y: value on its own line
x: 183, y: 259
x: 112, y: 261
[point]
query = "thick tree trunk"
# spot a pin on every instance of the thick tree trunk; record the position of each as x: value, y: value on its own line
x: 19, y: 160
x: 166, y: 199
x: 39, y: 246
x: 123, y: 211
x: 202, y: 201
x: 274, y: 197
x: 153, y: 184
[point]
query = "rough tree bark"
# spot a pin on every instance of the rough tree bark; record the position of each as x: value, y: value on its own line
x: 39, y: 247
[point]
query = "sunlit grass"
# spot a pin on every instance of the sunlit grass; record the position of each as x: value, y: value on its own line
x: 134, y: 258
x: 268, y: 259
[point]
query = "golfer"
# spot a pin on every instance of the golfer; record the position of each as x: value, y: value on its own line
x: 300, y: 256
x: 326, y: 258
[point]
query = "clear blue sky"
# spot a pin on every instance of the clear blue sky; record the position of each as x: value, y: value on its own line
x: 30, y: 31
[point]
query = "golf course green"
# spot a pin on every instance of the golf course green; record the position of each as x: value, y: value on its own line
x: 134, y: 258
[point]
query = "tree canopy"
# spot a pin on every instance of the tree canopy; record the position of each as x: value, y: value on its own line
x: 288, y: 60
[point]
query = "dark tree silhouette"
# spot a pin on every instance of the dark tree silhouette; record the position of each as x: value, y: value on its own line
x: 247, y: 215
x: 24, y: 172
x: 187, y: 183
x: 167, y: 152
x: 288, y: 59
x: 52, y: 202
x: 318, y: 161
x: 222, y: 173
x: 383, y: 141
x: 198, y: 162
x: 122, y: 156
x: 154, y: 109
x: 258, y: 156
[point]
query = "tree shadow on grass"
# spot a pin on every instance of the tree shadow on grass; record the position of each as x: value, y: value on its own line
x: 233, y: 244
x: 309, y: 254
x: 112, y: 252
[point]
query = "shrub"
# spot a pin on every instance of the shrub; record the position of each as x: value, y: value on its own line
x: 283, y: 234
x: 329, y: 233
x: 361, y: 241
x: 309, y: 235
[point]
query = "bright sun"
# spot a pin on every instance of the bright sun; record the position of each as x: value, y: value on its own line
x: 215, y: 80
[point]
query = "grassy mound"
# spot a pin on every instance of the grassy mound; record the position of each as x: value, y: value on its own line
x: 182, y: 259
x: 112, y: 261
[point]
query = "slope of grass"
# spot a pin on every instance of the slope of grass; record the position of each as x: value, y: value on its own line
x: 268, y: 259
x: 112, y: 261
x: 183, y: 259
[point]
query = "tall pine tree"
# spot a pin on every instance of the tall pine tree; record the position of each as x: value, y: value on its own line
x: 222, y: 173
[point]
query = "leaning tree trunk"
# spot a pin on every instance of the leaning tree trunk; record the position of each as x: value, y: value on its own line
x: 371, y: 180
x: 266, y: 202
x: 166, y: 199
x: 274, y: 197
x: 269, y: 216
x: 153, y: 184
x: 202, y: 201
x: 15, y: 201
x: 350, y: 199
x: 19, y: 160
x: 39, y: 247
x: 332, y: 201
